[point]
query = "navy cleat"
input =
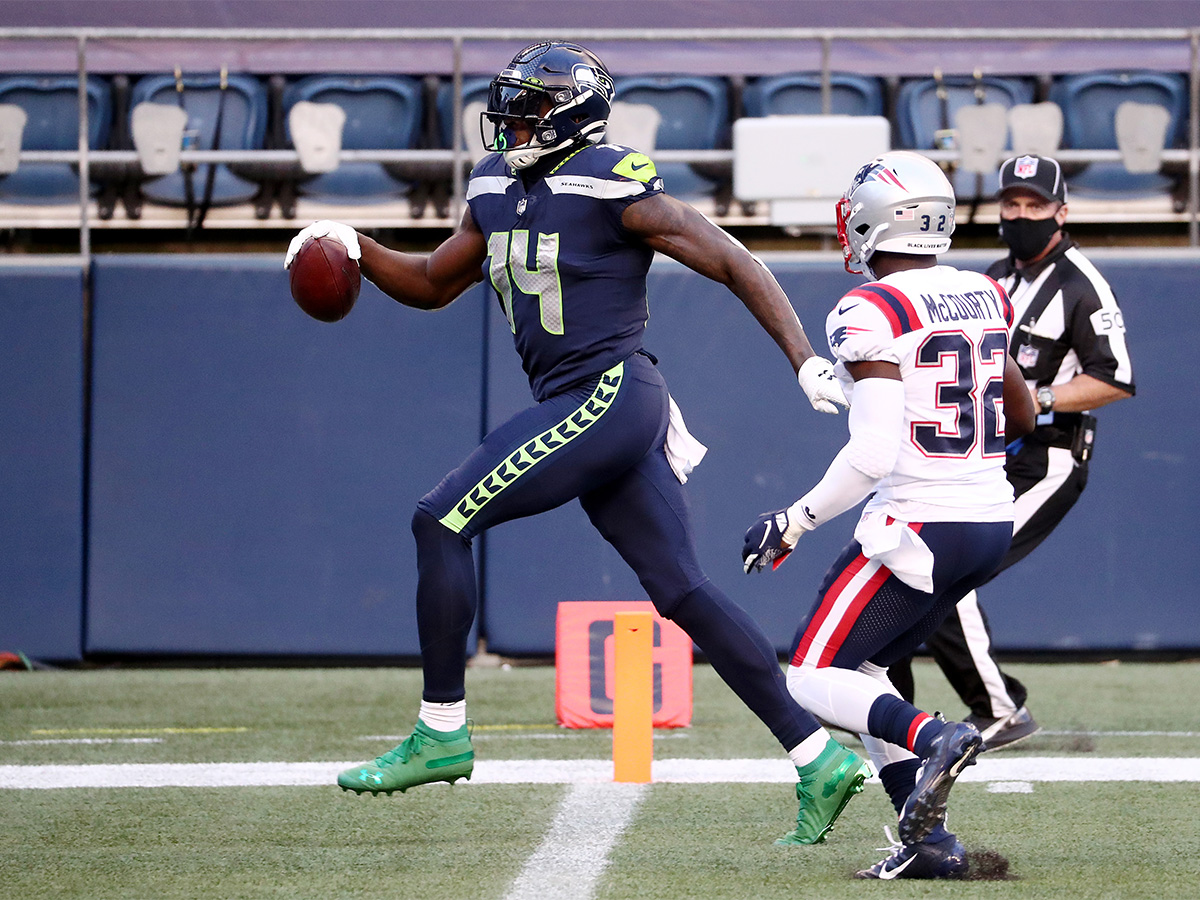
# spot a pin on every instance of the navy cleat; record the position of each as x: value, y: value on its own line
x: 949, y: 753
x: 945, y: 859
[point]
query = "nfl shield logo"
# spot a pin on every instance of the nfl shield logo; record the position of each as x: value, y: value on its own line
x: 1026, y: 167
x: 1027, y: 356
x: 521, y: 206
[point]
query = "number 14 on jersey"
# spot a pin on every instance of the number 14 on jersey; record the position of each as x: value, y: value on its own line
x: 508, y: 254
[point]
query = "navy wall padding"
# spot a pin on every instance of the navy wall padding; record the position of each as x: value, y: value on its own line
x: 41, y: 462
x: 254, y: 471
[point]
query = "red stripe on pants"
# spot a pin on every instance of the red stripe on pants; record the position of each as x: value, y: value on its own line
x: 861, y: 599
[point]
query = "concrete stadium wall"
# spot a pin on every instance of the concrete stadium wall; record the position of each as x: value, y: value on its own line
x: 251, y: 472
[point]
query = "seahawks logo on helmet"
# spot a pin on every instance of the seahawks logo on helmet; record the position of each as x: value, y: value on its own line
x: 598, y: 79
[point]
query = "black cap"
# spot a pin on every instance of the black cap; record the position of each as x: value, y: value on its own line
x: 1039, y: 174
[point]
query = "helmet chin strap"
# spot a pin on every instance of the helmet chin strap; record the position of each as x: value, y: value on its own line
x: 524, y: 157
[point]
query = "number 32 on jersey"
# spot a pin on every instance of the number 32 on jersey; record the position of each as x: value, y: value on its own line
x: 508, y: 268
x: 969, y: 404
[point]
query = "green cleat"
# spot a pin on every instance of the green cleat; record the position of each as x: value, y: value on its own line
x: 825, y: 788
x: 424, y: 756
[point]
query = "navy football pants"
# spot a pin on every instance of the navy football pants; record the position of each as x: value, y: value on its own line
x: 864, y: 613
x: 964, y: 662
x: 601, y: 442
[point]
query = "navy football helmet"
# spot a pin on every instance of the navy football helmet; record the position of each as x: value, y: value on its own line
x: 559, y: 91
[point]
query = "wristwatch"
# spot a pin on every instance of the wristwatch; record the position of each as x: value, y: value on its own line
x: 1045, y: 399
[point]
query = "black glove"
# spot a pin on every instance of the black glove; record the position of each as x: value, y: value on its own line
x: 764, y: 542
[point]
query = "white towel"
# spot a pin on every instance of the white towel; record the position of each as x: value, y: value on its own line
x: 898, y: 547
x: 684, y: 452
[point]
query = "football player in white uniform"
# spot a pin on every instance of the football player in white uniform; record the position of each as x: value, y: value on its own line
x: 922, y: 353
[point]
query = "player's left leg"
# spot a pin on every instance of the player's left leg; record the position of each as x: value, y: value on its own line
x: 865, y: 614
x: 644, y: 515
x: 940, y: 854
x: 540, y: 458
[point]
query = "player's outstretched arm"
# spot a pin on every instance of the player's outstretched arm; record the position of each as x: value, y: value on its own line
x: 427, y: 281
x: 876, y: 432
x: 680, y: 232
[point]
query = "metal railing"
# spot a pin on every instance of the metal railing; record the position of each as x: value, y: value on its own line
x: 456, y: 158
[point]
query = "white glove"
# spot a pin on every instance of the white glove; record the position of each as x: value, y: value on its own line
x: 820, y: 385
x: 325, y: 228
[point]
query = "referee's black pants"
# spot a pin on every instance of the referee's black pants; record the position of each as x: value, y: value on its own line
x: 1046, y: 480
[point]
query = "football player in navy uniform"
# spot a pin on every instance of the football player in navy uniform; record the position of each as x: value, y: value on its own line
x: 564, y: 228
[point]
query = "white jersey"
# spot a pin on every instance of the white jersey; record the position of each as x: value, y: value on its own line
x: 948, y: 331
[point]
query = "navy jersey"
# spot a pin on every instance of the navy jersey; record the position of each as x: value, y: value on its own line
x: 570, y: 279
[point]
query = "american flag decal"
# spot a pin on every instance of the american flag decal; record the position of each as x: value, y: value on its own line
x: 904, y: 215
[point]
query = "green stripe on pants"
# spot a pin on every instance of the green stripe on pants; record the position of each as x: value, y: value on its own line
x: 535, y: 451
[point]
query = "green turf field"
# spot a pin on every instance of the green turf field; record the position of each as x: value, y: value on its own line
x: 479, y: 841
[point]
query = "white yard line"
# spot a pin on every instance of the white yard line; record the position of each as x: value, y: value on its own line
x: 1178, y: 734
x: 23, y: 743
x: 579, y: 771
x: 574, y: 853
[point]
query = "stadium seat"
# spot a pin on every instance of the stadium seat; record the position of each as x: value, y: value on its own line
x: 695, y: 116
x: 474, y: 101
x: 1090, y: 102
x: 243, y: 125
x: 12, y: 127
x: 382, y: 113
x: 799, y: 94
x: 922, y: 122
x: 633, y: 125
x: 1035, y: 128
x: 51, y: 107
x: 981, y: 134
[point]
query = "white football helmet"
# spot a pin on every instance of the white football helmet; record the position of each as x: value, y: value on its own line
x: 899, y: 202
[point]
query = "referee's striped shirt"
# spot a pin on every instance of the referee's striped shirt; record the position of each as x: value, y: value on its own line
x: 1067, y: 320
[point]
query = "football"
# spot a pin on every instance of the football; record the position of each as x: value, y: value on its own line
x: 324, y: 279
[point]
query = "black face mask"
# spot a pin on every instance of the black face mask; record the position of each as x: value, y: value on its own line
x: 1027, y: 237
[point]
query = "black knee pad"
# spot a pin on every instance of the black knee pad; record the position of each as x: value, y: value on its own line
x: 428, y: 530
x: 669, y: 598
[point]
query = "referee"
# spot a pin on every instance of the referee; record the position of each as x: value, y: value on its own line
x: 1069, y: 341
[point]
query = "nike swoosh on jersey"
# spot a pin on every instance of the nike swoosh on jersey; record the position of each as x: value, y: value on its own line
x: 637, y: 168
x: 886, y: 874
